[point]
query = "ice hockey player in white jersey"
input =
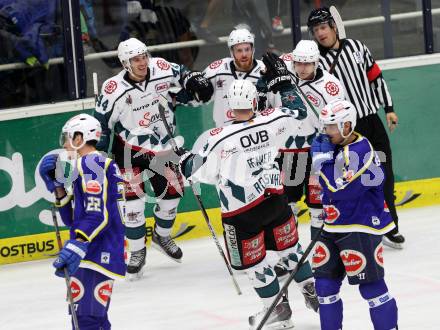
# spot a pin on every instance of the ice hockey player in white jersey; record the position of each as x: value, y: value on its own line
x: 128, y: 109
x: 319, y: 87
x: 240, y: 160
x: 240, y: 65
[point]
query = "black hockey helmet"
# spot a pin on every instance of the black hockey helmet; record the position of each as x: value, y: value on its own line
x: 319, y: 16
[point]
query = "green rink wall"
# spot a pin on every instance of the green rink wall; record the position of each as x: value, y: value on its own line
x: 25, y: 204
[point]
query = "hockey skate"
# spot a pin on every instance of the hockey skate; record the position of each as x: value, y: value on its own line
x: 310, y: 296
x: 280, y: 318
x: 136, y: 264
x: 394, y: 240
x: 167, y: 246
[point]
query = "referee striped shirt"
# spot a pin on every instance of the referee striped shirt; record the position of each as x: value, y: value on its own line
x: 362, y: 78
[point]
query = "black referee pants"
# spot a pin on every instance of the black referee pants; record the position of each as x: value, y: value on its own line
x: 373, y: 129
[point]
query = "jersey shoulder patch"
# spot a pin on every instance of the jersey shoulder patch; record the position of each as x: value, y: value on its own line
x: 162, y: 64
x: 287, y: 57
x: 215, y: 64
x: 267, y: 112
x: 215, y: 131
x: 110, y: 86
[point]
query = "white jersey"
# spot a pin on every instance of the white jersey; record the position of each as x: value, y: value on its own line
x: 222, y: 73
x: 131, y: 109
x: 240, y: 159
x: 319, y: 91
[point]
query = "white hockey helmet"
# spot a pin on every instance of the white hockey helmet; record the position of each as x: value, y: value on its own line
x: 128, y: 49
x: 306, y: 51
x: 240, y: 36
x: 88, y: 126
x: 242, y: 94
x: 339, y: 112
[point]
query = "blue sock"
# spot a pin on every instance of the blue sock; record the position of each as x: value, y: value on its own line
x: 383, y: 308
x: 330, y: 305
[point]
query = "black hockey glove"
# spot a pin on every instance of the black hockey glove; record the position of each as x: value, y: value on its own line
x: 262, y: 95
x: 276, y: 75
x: 200, y: 87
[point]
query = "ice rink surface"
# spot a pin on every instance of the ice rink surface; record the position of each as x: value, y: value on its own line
x: 198, y: 294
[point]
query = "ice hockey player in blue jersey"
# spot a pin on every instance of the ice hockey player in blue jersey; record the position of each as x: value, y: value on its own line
x: 356, y: 217
x: 94, y: 211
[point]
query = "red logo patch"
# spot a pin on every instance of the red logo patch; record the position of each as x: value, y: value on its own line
x: 313, y: 99
x: 315, y: 190
x: 161, y: 87
x: 267, y: 112
x: 332, y: 88
x: 215, y: 131
x: 354, y: 261
x: 378, y: 255
x: 93, y: 187
x: 103, y: 292
x: 385, y: 207
x: 287, y: 57
x: 215, y: 64
x: 253, y: 249
x: 230, y: 114
x: 321, y: 255
x: 77, y: 289
x: 110, y: 87
x: 285, y: 235
x: 163, y: 65
x: 331, y: 213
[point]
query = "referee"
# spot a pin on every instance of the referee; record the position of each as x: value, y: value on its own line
x: 366, y: 88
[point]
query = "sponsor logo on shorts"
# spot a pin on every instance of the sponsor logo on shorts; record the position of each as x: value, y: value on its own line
x: 103, y: 292
x: 77, y: 289
x: 321, y: 255
x: 253, y: 249
x: 93, y: 187
x: 354, y: 261
x: 285, y: 235
x: 232, y: 243
x: 378, y: 255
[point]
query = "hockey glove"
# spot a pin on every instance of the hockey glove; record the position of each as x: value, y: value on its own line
x: 277, y: 75
x: 47, y: 171
x: 197, y: 85
x: 322, y: 151
x: 70, y: 256
x: 262, y: 95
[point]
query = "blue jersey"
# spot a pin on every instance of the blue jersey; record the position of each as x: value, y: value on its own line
x: 96, y: 212
x: 353, y: 197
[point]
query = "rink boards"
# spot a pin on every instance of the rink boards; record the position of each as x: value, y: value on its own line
x: 191, y: 225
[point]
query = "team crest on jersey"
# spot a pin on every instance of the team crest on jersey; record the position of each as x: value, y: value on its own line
x: 220, y: 83
x: 267, y: 112
x: 287, y: 57
x: 354, y: 261
x: 215, y: 64
x: 321, y: 255
x: 216, y: 131
x: 77, y: 289
x: 93, y: 187
x: 110, y: 87
x: 163, y: 65
x: 315, y: 101
x: 378, y: 255
x: 103, y: 292
x: 331, y: 213
x: 230, y: 114
x: 332, y: 88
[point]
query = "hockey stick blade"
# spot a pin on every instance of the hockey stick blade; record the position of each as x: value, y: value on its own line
x: 66, y: 274
x: 162, y: 106
x: 338, y: 21
x: 290, y: 278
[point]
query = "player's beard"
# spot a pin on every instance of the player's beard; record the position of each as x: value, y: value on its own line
x: 244, y: 66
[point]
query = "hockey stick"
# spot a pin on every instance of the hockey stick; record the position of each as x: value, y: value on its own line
x: 290, y: 278
x: 162, y: 103
x: 66, y: 274
x: 341, y: 34
x: 95, y: 86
